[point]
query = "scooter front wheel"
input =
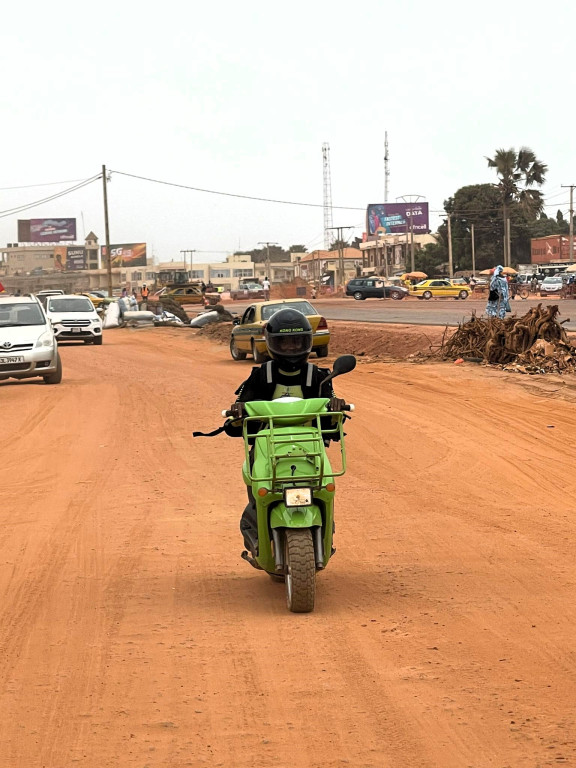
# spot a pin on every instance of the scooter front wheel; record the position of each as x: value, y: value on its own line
x: 300, y: 570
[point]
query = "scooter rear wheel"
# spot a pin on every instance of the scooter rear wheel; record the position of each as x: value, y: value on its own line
x: 300, y: 570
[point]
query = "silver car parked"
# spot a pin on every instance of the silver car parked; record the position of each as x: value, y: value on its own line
x: 28, y: 346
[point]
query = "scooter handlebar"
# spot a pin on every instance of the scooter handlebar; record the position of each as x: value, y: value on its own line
x: 226, y: 413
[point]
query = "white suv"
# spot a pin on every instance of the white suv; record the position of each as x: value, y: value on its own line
x: 28, y: 346
x: 74, y: 319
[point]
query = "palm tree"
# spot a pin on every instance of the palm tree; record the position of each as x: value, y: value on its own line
x: 518, y: 172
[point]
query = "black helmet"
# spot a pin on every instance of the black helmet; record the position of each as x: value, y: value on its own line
x: 288, y: 336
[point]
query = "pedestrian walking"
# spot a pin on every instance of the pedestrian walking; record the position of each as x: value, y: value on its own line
x: 266, y: 288
x: 499, y: 295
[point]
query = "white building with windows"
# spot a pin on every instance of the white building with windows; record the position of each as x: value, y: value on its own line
x: 225, y: 274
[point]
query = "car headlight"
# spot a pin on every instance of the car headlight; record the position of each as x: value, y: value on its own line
x: 46, y: 339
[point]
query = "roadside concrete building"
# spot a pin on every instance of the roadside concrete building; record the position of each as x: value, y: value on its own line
x: 388, y: 254
x: 321, y: 267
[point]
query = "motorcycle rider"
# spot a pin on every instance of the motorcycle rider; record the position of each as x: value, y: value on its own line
x: 289, y: 337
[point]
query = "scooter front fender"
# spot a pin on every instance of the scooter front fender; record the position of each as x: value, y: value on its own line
x: 282, y: 516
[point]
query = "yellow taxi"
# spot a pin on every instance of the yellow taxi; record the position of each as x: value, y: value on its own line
x: 97, y: 299
x: 440, y: 288
x: 248, y: 332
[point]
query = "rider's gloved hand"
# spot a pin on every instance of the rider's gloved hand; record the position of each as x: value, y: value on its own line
x: 336, y: 404
x: 237, y: 410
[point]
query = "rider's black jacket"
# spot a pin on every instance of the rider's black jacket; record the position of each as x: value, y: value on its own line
x: 263, y: 380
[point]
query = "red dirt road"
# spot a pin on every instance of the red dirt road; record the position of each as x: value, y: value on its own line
x: 132, y: 635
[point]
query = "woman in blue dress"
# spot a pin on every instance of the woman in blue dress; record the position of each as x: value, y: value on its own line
x: 498, y: 298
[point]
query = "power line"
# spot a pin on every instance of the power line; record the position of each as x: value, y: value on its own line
x: 45, y: 184
x: 36, y: 203
x: 232, y: 194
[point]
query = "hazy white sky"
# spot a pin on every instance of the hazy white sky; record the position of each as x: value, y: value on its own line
x: 239, y: 98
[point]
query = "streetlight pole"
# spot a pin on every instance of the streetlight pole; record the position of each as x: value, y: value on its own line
x: 341, y: 276
x: 268, y: 275
x: 191, y: 252
x: 450, y: 259
x: 107, y: 232
x: 473, y: 251
x: 571, y: 223
x: 414, y: 199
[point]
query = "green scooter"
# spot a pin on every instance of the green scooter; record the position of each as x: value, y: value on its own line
x: 292, y: 482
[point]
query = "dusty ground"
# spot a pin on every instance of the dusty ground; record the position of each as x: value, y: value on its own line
x: 366, y: 340
x: 131, y: 633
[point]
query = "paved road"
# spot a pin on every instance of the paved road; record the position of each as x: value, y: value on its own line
x: 414, y: 312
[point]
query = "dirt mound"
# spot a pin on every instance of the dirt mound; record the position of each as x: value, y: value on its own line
x: 365, y: 340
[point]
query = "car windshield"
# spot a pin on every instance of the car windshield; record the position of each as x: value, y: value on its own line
x: 553, y: 279
x: 18, y: 314
x: 70, y: 305
x: 301, y: 306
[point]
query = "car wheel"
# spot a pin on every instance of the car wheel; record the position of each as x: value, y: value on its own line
x: 259, y: 357
x: 427, y: 295
x: 396, y: 295
x: 56, y: 377
x: 463, y: 295
x: 235, y: 352
x: 322, y: 351
x: 97, y: 340
x: 358, y: 296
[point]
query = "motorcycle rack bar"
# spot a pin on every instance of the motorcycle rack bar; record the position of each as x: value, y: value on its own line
x: 275, y: 440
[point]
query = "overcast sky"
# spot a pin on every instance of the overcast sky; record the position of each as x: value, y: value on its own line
x: 239, y: 98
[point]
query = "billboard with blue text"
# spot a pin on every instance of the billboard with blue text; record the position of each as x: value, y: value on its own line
x: 397, y: 218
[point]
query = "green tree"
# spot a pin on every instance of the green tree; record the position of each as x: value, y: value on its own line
x: 298, y: 249
x: 519, y: 172
x: 335, y: 244
x: 431, y: 258
x: 475, y: 206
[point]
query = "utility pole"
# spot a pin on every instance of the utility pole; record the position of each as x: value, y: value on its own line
x: 571, y: 235
x: 450, y: 261
x: 268, y: 275
x: 508, y: 261
x: 413, y: 199
x: 386, y: 168
x: 341, y: 277
x: 107, y: 233
x: 473, y: 251
x: 191, y: 252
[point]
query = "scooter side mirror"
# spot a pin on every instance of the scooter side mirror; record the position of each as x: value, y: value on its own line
x: 343, y: 364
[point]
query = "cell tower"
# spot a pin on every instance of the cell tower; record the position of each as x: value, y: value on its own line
x: 386, y: 168
x: 327, y: 196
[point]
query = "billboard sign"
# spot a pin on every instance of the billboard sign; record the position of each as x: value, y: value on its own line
x: 46, y: 230
x: 69, y: 257
x: 126, y: 255
x: 397, y: 218
x: 75, y: 258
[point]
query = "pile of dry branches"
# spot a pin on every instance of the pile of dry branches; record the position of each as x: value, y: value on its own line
x: 534, y: 341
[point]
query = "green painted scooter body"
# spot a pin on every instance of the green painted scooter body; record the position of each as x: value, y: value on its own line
x: 289, y: 451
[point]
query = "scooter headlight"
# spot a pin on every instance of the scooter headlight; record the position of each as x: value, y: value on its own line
x: 298, y: 497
